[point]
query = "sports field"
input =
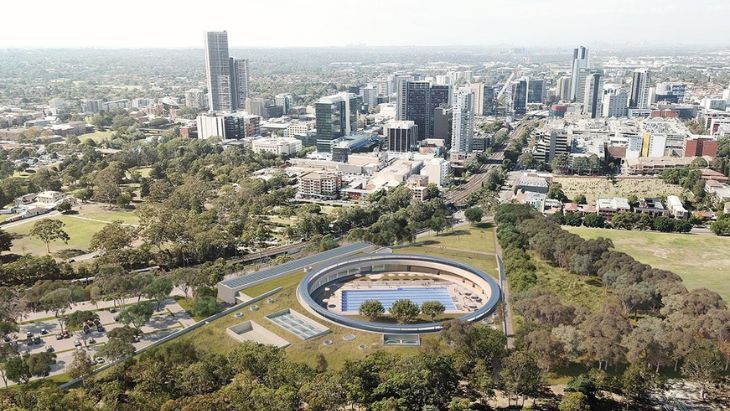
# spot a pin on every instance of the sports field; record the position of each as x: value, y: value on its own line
x: 701, y: 260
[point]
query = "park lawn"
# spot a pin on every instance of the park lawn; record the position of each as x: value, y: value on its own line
x: 103, y: 213
x: 479, y: 238
x: 486, y: 263
x: 701, y: 260
x: 79, y: 230
x: 572, y: 289
x: 601, y: 187
x: 97, y: 136
x: 213, y: 337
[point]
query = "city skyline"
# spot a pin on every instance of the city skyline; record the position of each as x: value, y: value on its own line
x: 621, y: 23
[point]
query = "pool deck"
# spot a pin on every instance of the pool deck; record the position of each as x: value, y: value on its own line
x: 463, y: 299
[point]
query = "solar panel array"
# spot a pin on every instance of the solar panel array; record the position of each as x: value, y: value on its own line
x: 295, y: 265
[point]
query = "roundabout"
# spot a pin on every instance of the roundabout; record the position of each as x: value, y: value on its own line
x: 335, y: 291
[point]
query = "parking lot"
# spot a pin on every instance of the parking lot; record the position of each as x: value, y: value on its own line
x: 169, y: 319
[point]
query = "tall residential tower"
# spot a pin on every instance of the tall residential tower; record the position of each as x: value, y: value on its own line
x: 580, y: 62
x: 227, y: 77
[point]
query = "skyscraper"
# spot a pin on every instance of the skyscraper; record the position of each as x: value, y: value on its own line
x: 336, y: 116
x: 489, y: 100
x: 217, y: 71
x: 285, y: 101
x: 593, y: 94
x: 519, y: 96
x: 239, y: 82
x: 615, y: 103
x: 564, y: 88
x: 417, y: 101
x: 227, y: 77
x: 640, y: 89
x: 580, y: 61
x: 535, y: 89
x: 462, y: 126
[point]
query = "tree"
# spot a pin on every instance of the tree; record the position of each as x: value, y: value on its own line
x: 721, y: 226
x: 594, y: 220
x: 39, y: 365
x: 556, y: 192
x: 521, y: 375
x: 6, y: 240
x: 186, y: 278
x: 16, y: 369
x: 404, y: 310
x: 81, y: 367
x: 113, y: 237
x: 116, y: 349
x: 78, y: 318
x: 58, y: 301
x: 704, y: 366
x: 574, y: 401
x: 124, y: 333
x: 138, y: 314
x: 432, y: 309
x: 473, y: 214
x: 158, y: 290
x: 204, y: 306
x: 48, y: 230
x: 372, y: 309
x: 636, y: 383
x: 580, y: 199
x: 64, y: 207
x: 437, y: 224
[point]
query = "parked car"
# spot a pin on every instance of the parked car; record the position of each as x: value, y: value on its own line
x: 29, y: 334
x: 44, y: 331
x: 77, y: 343
x: 92, y: 341
x: 100, y: 328
x: 36, y: 340
x: 100, y: 360
x: 59, y: 336
x: 50, y: 349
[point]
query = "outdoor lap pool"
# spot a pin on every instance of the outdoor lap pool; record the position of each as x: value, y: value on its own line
x: 352, y: 299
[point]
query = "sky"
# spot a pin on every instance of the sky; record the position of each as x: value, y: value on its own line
x: 324, y: 23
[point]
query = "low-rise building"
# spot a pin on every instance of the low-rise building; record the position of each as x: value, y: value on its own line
x: 720, y: 191
x: 608, y: 207
x: 652, y: 207
x: 320, y: 185
x: 675, y: 207
x: 654, y: 165
x: 533, y: 183
x: 281, y: 146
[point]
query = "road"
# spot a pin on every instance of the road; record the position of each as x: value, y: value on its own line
x: 30, y: 220
x: 508, y: 318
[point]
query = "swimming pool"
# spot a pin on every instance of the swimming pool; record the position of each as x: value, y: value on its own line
x: 352, y: 299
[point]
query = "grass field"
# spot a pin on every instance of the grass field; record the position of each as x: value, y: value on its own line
x: 80, y: 227
x: 79, y: 230
x: 600, y: 187
x: 103, y: 213
x: 470, y: 245
x: 97, y: 136
x: 701, y: 260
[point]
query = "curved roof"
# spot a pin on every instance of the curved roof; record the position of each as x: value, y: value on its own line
x: 303, y: 294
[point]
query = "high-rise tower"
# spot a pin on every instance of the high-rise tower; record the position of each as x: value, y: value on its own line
x: 580, y: 61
